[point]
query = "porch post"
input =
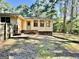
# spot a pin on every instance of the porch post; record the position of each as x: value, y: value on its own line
x: 5, y: 31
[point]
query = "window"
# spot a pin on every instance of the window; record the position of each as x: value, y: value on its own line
x: 41, y: 23
x: 47, y: 23
x: 5, y: 19
x: 35, y: 23
x: 8, y: 19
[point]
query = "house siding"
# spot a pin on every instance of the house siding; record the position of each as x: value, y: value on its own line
x: 13, y: 20
x: 42, y: 28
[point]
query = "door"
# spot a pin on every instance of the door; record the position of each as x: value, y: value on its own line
x: 28, y: 25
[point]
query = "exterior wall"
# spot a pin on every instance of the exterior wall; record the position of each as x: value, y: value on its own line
x: 45, y: 28
x: 38, y: 28
x: 19, y: 23
x: 24, y: 24
x: 42, y: 28
x: 13, y: 20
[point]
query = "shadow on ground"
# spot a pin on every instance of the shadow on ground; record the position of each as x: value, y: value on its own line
x: 45, y: 48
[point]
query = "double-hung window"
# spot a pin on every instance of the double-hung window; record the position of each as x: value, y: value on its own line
x: 35, y: 23
x: 41, y: 23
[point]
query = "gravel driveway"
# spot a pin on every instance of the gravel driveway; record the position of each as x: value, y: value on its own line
x: 46, y: 48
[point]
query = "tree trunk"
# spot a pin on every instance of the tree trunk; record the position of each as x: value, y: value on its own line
x: 76, y: 7
x: 64, y: 18
x: 71, y: 16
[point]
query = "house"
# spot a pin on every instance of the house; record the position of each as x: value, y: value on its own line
x: 38, y: 25
x: 12, y: 19
x: 27, y: 25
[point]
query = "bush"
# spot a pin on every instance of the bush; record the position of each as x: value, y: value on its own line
x: 57, y: 27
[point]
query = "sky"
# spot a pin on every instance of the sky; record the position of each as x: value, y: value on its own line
x: 15, y: 3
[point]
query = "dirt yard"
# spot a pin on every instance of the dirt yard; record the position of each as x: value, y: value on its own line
x: 47, y: 47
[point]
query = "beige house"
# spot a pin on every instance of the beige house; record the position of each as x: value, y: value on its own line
x: 28, y: 25
x: 38, y: 25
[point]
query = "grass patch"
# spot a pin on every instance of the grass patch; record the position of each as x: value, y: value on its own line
x: 67, y: 36
x: 44, y: 52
